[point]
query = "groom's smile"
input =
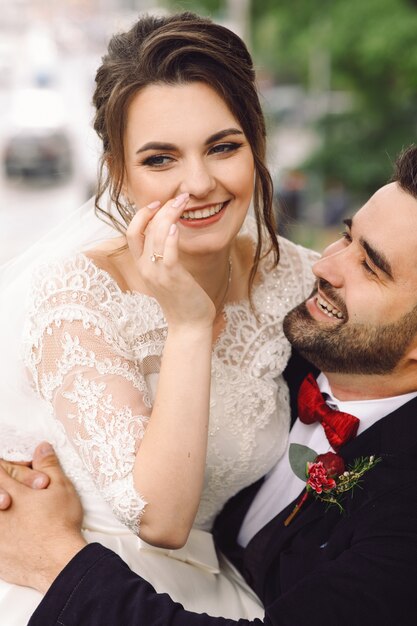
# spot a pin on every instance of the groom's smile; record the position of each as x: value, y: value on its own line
x: 361, y: 316
x: 328, y: 309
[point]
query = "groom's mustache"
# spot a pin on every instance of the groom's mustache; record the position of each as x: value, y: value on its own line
x: 331, y: 294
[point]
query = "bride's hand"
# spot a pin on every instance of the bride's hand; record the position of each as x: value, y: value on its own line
x: 153, y: 242
x: 24, y: 474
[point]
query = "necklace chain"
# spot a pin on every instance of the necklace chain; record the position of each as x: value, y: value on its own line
x: 219, y: 307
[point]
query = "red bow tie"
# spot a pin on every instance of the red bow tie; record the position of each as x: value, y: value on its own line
x: 339, y: 427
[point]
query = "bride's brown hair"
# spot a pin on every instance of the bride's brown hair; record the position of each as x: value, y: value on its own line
x: 174, y: 50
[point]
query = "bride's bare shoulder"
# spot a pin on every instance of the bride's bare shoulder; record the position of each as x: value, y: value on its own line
x: 113, y: 257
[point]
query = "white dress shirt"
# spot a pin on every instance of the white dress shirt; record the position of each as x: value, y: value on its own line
x: 281, y: 485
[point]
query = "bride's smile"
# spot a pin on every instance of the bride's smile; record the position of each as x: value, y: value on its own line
x: 183, y: 138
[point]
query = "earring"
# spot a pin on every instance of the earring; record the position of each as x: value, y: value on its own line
x: 128, y: 208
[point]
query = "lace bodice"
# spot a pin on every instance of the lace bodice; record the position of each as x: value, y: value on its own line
x: 94, y: 354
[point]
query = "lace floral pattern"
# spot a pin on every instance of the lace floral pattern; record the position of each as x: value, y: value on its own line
x: 106, y: 436
x: 93, y: 353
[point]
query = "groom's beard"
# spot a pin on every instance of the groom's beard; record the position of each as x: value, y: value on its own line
x: 348, y: 347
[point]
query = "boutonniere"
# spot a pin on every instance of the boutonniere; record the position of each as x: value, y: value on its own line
x: 327, y: 477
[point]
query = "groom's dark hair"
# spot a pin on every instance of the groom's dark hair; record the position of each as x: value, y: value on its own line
x: 406, y: 170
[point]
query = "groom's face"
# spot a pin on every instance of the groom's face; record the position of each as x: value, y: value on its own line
x: 362, y: 315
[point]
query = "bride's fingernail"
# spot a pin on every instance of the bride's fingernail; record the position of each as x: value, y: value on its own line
x: 45, y: 449
x: 180, y: 199
x: 172, y: 229
x: 40, y: 482
x: 4, y: 500
x: 154, y: 205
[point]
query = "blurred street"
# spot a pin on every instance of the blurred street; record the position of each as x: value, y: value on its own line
x: 30, y: 205
x: 48, y: 150
x: 332, y: 138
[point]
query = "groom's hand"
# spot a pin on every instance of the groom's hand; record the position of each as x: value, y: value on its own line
x: 40, y: 529
x: 25, y: 474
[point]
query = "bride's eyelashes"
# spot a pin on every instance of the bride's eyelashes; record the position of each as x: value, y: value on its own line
x: 160, y: 161
x: 157, y: 160
x: 225, y: 148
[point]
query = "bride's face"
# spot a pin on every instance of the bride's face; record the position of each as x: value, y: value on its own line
x: 184, y: 138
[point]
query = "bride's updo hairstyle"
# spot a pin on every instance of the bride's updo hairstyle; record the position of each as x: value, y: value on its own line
x: 177, y: 50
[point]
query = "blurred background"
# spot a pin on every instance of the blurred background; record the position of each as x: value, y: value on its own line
x: 338, y: 83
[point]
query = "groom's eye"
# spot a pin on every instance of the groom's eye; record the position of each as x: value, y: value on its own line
x: 367, y: 268
x: 346, y: 236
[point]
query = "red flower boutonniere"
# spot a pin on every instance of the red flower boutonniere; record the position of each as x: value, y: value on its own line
x: 327, y: 477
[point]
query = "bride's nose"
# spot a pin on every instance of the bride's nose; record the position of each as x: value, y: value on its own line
x: 197, y: 179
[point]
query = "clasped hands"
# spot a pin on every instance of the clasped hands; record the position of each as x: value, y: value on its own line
x: 40, y: 520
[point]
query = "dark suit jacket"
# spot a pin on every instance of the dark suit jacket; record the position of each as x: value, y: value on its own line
x: 325, y: 568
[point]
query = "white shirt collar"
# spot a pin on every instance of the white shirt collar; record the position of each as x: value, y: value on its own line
x: 368, y: 411
x: 281, y: 485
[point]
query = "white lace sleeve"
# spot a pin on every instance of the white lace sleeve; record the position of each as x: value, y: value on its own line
x: 98, y: 393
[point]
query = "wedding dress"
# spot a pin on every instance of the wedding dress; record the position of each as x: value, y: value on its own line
x: 92, y: 354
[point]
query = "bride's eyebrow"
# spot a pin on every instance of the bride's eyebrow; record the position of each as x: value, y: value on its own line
x: 157, y: 145
x: 222, y: 134
x: 169, y: 147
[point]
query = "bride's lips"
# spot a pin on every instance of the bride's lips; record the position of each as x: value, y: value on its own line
x: 199, y: 221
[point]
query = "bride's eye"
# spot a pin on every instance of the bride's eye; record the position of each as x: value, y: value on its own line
x: 157, y: 160
x: 222, y: 148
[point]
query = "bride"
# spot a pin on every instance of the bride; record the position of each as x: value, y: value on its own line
x: 152, y: 350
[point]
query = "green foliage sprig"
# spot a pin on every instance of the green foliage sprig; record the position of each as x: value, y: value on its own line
x: 327, y: 477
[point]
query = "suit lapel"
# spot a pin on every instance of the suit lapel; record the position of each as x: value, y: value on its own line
x: 392, y: 436
x: 228, y: 522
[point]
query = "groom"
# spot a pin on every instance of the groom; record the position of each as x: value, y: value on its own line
x: 312, y: 564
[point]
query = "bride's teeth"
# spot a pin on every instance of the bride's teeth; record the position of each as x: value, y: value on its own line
x: 199, y: 214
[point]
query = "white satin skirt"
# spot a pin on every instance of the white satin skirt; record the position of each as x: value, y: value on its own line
x: 196, y: 576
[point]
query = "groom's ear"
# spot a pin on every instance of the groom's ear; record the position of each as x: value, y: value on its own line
x: 411, y: 352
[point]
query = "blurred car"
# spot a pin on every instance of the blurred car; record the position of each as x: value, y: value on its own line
x: 38, y: 144
x: 38, y: 154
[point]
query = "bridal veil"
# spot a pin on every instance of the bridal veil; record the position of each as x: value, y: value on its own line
x: 21, y: 410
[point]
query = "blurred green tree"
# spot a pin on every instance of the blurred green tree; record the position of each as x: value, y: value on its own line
x: 368, y: 48
x: 365, y: 47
